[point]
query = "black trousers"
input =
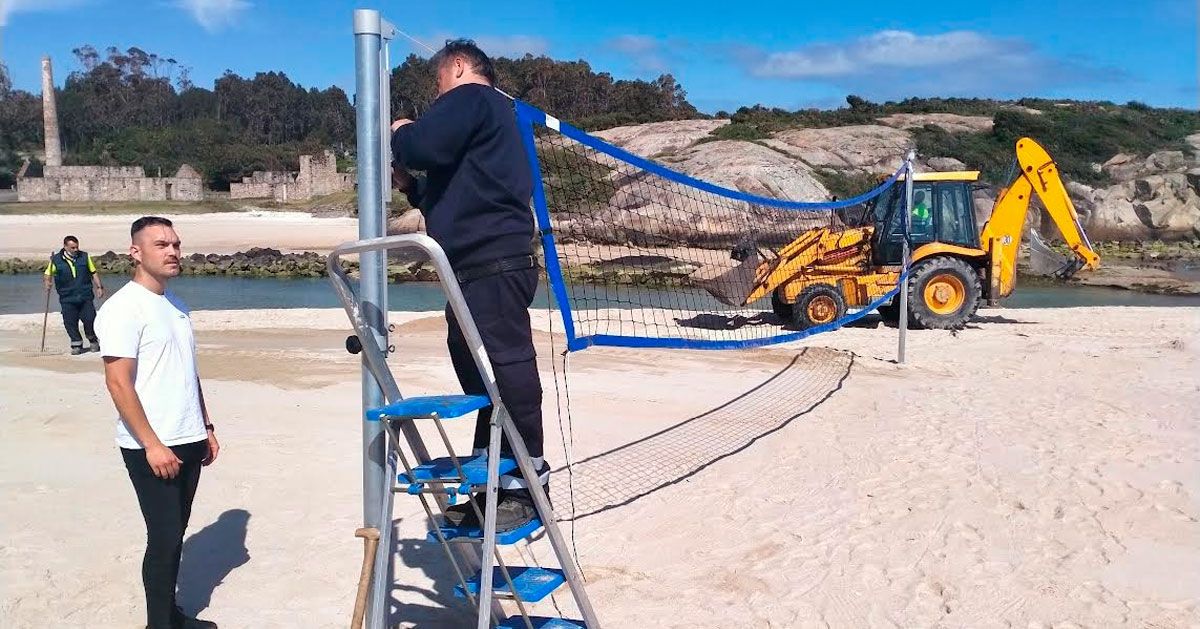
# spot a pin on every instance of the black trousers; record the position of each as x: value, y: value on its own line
x: 72, y: 313
x: 500, y: 306
x: 166, y: 506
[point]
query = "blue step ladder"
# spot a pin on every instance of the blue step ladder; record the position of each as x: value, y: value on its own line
x: 490, y: 583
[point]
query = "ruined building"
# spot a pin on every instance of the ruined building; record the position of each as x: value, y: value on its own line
x: 318, y: 176
x: 97, y: 183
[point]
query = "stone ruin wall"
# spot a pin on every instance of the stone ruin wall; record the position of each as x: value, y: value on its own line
x: 318, y: 176
x: 106, y: 183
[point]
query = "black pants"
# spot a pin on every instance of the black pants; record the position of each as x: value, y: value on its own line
x: 72, y: 313
x: 166, y: 506
x: 500, y: 306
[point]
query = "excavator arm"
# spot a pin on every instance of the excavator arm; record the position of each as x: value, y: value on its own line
x: 1001, y: 236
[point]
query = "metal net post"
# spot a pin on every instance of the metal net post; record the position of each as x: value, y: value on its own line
x: 369, y: 45
x: 904, y: 253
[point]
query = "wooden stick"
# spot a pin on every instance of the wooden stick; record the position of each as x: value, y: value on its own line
x: 45, y: 317
x: 370, y: 544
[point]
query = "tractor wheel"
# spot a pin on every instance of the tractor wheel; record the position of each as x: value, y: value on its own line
x: 943, y: 293
x: 818, y: 304
x: 781, y: 308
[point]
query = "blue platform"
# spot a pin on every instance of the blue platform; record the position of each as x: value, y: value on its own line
x: 533, y: 584
x: 476, y: 533
x: 430, y: 406
x: 443, y: 469
x: 541, y: 622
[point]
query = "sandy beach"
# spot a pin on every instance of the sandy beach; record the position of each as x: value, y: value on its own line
x: 1039, y: 469
x: 35, y: 236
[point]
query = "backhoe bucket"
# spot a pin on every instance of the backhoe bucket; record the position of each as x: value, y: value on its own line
x: 1047, y: 262
x: 733, y: 286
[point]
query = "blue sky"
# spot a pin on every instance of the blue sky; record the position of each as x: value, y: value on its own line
x: 781, y: 53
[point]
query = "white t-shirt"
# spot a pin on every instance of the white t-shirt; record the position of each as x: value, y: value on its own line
x: 155, y: 330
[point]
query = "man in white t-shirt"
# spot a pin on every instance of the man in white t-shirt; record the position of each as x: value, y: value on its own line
x: 163, y: 429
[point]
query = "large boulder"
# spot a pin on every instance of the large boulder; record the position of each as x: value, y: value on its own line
x: 1163, y: 206
x: 659, y: 138
x: 1125, y: 167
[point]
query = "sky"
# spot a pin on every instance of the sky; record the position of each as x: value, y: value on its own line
x: 790, y: 53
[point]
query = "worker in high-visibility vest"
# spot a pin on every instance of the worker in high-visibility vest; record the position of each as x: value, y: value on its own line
x: 74, y: 275
x: 922, y: 218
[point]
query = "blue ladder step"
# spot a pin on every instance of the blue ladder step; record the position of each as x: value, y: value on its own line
x: 443, y: 470
x: 541, y: 622
x: 533, y: 584
x: 430, y: 406
x: 474, y: 532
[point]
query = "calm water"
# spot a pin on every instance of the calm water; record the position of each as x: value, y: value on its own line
x: 23, y: 294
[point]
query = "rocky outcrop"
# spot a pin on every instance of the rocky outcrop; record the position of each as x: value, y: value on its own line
x: 659, y: 138
x: 255, y: 262
x: 952, y: 123
x: 1154, y: 207
x: 872, y: 148
x: 646, y: 209
x: 1125, y: 167
x: 1155, y: 198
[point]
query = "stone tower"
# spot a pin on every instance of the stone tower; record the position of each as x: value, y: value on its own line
x: 50, y: 115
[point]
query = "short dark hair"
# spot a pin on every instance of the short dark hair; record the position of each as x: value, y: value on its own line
x: 70, y: 239
x: 466, y: 49
x: 146, y: 221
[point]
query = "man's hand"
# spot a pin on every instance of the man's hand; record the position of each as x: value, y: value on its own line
x: 401, y: 179
x: 99, y: 292
x: 213, y: 449
x: 400, y: 123
x: 163, y: 461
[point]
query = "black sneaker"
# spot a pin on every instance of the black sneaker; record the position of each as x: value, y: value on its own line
x: 457, y: 515
x: 179, y: 620
x: 75, y: 351
x: 95, y: 347
x: 514, y: 509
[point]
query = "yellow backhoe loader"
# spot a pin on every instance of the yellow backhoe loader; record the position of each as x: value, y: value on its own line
x: 954, y: 265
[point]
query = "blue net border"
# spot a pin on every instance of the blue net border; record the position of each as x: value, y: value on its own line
x: 528, y: 116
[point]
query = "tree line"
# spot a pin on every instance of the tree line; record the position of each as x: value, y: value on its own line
x: 135, y: 107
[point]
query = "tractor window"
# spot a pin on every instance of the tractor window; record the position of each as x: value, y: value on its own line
x: 956, y: 217
x: 890, y: 211
x: 920, y: 221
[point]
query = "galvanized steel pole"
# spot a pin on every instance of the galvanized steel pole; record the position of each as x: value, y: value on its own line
x: 904, y: 252
x: 368, y: 45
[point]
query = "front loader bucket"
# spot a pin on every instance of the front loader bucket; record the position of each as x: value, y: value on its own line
x: 734, y: 285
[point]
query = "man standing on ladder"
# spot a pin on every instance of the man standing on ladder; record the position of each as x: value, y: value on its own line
x: 475, y: 199
x: 74, y: 275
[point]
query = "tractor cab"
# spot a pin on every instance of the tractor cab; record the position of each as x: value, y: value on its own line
x: 942, y: 212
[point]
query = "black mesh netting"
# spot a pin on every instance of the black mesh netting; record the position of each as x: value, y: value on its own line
x: 648, y: 257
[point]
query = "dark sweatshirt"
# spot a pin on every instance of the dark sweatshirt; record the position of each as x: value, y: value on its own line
x: 475, y: 195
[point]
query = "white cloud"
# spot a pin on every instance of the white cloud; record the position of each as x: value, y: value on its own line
x: 10, y: 7
x: 213, y: 15
x: 897, y: 63
x: 649, y: 55
x: 634, y: 44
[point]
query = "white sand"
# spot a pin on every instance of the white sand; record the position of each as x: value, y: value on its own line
x: 1039, y: 469
x: 26, y: 236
